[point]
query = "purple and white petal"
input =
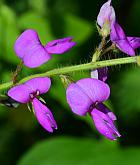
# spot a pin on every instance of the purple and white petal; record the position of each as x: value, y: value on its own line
x: 36, y: 86
x: 107, y: 13
x: 104, y: 123
x: 96, y: 90
x: 94, y: 74
x: 41, y: 84
x: 60, y: 46
x: 78, y: 100
x: 100, y: 74
x: 20, y: 93
x: 44, y: 116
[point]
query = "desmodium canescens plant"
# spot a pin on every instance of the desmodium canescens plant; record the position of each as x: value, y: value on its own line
x: 85, y: 96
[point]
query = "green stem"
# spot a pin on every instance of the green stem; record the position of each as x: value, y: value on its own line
x: 96, y: 55
x: 99, y: 50
x: 69, y: 69
x: 16, y: 73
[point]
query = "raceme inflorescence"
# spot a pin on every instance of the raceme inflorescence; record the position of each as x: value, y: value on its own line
x: 85, y: 96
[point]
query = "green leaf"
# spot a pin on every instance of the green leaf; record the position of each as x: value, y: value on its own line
x: 58, y: 92
x: 39, y: 23
x: 9, y: 32
x: 125, y: 93
x: 79, y: 151
x: 38, y: 6
x: 133, y: 15
x: 79, y: 28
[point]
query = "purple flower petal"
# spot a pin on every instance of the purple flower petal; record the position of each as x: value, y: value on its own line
x: 44, y: 116
x: 36, y: 57
x: 106, y: 13
x: 20, y: 93
x: 96, y: 90
x: 39, y: 84
x: 84, y: 93
x: 117, y: 32
x: 134, y: 41
x: 25, y: 42
x: 100, y: 74
x: 29, y: 48
x: 104, y: 123
x: 105, y: 110
x: 60, y: 46
x: 55, y: 42
x: 125, y: 47
x: 118, y: 37
x: 78, y: 100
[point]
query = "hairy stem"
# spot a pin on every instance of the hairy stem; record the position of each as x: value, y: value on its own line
x: 69, y: 69
x: 17, y: 71
x: 108, y: 49
x: 99, y: 50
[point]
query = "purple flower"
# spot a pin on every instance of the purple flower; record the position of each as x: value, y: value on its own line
x: 106, y: 14
x: 100, y: 74
x: 29, y: 48
x: 124, y: 43
x: 28, y: 92
x: 104, y: 121
x: 86, y: 96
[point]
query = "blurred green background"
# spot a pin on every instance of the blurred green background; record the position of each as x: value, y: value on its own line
x: 22, y: 140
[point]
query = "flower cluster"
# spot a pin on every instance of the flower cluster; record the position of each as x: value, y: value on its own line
x: 33, y: 54
x: 108, y: 23
x: 86, y: 96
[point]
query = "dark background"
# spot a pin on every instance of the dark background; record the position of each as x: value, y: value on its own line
x: 22, y: 140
